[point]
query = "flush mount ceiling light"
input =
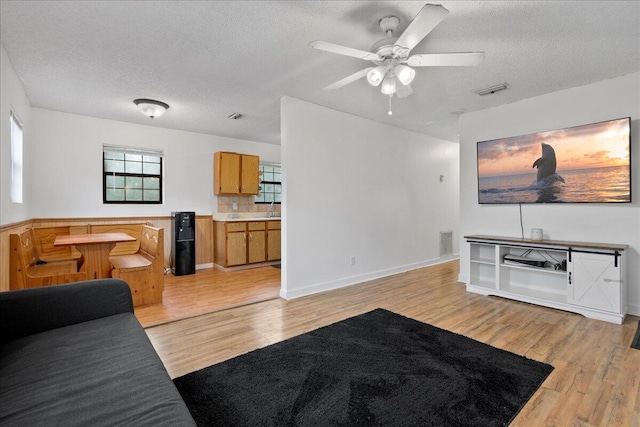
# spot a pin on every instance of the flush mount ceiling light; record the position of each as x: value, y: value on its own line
x: 394, y: 65
x: 151, y: 107
x: 492, y: 89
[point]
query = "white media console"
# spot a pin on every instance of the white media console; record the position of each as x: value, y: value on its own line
x: 581, y: 277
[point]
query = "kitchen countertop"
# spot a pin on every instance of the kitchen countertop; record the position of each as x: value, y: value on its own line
x: 243, y: 217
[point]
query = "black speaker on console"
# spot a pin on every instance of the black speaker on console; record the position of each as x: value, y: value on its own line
x: 183, y: 243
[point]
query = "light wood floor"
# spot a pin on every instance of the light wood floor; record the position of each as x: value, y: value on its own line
x: 596, y: 381
x: 210, y: 290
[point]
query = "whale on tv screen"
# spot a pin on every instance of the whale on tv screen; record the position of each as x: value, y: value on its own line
x: 582, y: 164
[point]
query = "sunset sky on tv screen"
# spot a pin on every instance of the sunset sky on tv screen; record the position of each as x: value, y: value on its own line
x: 590, y: 146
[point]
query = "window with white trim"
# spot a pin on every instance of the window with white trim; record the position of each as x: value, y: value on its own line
x: 270, y: 185
x: 17, y: 158
x: 132, y: 175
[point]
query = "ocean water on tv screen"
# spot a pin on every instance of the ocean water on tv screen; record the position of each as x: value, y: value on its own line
x: 597, y: 185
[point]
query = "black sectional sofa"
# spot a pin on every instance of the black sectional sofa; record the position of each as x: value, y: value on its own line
x: 75, y: 355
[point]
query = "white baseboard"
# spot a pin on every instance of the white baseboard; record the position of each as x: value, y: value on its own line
x: 354, y: 280
x: 633, y: 309
x: 203, y: 266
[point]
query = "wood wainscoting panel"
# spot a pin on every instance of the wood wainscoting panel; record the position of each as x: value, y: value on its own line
x: 204, y: 240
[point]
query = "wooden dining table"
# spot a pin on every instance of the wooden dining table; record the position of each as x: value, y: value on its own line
x: 95, y: 250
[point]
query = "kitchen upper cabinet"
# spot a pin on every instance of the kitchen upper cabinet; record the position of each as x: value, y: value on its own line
x: 249, y: 180
x: 235, y: 173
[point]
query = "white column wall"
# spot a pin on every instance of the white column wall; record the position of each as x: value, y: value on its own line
x: 608, y: 223
x: 358, y: 188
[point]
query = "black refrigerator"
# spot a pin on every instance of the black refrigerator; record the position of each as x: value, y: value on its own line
x: 183, y: 243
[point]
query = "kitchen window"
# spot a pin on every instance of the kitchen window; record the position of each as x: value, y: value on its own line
x: 15, y: 129
x: 132, y: 175
x: 270, y: 184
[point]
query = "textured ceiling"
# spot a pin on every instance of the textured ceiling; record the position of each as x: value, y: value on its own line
x: 209, y: 59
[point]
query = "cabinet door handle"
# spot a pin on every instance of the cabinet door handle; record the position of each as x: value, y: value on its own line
x: 569, y: 277
x: 611, y: 280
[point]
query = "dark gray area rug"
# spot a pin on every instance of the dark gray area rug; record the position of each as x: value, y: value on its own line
x: 636, y: 340
x: 378, y: 368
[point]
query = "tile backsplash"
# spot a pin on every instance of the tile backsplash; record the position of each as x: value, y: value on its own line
x: 245, y: 204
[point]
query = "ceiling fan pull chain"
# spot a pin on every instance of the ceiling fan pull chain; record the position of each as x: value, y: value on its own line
x: 390, y: 112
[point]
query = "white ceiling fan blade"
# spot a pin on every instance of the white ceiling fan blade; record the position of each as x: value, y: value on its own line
x: 402, y: 91
x: 343, y: 50
x: 349, y: 79
x: 445, y: 59
x: 425, y: 21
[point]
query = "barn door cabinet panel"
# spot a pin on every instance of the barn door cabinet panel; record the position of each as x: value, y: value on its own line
x: 596, y: 281
x: 235, y: 173
x: 581, y: 277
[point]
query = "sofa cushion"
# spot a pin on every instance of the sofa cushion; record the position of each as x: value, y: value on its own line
x: 96, y: 373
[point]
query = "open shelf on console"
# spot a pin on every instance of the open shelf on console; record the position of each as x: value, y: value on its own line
x: 541, y: 269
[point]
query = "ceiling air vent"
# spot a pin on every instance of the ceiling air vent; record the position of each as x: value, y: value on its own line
x: 492, y: 89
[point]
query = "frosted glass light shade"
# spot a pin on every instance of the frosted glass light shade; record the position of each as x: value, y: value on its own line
x: 151, y: 107
x: 405, y: 74
x: 389, y: 84
x: 375, y: 76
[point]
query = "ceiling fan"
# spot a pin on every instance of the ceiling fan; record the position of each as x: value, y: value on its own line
x: 393, y: 66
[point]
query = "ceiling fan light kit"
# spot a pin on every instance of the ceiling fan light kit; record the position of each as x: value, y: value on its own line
x: 405, y: 74
x: 151, y: 107
x: 391, y: 54
x: 375, y: 76
x: 389, y: 84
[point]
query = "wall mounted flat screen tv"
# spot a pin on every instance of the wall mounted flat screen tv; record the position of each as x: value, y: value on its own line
x: 582, y: 164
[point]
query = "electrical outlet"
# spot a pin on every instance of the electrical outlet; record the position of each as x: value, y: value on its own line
x: 353, y: 260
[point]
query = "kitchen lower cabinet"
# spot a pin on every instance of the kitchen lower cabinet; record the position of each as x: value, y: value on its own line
x: 256, y: 245
x: 246, y: 242
x: 273, y: 241
x: 236, y: 249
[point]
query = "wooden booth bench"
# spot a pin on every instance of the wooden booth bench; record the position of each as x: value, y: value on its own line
x: 43, y: 239
x: 28, y: 270
x: 139, y: 263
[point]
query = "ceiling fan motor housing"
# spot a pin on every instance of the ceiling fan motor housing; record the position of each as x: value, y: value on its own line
x: 389, y: 23
x: 384, y: 47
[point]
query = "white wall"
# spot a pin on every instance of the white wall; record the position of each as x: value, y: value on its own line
x: 67, y: 165
x: 613, y: 223
x: 355, y: 187
x: 12, y: 96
